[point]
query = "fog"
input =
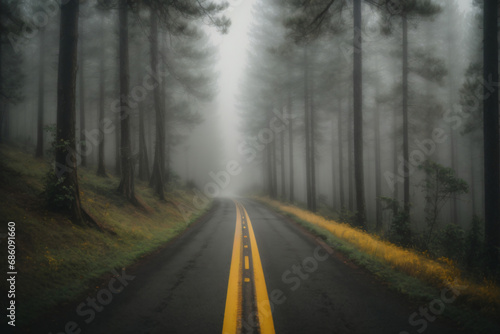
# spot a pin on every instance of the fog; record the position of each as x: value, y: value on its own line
x: 267, y: 107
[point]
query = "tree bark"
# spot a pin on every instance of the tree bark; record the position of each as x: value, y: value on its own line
x: 2, y: 105
x: 378, y: 172
x: 290, y: 144
x: 126, y: 187
x: 65, y: 153
x: 358, y: 117
x: 118, y: 159
x: 313, y: 148
x: 269, y: 162
x: 81, y: 91
x: 167, y: 125
x: 451, y: 101
x: 282, y: 153
x: 395, y: 155
x: 158, y: 175
x: 491, y: 135
x: 144, y: 174
x: 341, y: 155
x: 406, y: 149
x: 41, y: 97
x: 307, y: 128
x: 6, y: 122
x: 101, y: 168
x: 350, y: 155
x: 275, y: 167
x: 472, y: 160
x: 334, y: 181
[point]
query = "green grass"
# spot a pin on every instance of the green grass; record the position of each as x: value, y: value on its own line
x: 415, y: 275
x: 57, y: 260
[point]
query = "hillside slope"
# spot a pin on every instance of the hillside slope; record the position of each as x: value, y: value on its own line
x: 57, y: 260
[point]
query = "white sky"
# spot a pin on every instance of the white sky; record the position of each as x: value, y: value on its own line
x: 465, y: 5
x: 233, y: 53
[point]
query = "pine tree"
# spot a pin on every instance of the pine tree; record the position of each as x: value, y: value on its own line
x: 491, y: 134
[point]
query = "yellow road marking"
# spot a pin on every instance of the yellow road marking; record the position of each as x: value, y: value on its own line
x: 263, y: 305
x: 232, y: 313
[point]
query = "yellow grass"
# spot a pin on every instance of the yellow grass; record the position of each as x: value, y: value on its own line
x: 438, y: 273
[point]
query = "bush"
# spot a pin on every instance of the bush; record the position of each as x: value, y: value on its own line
x: 57, y: 195
x: 399, y: 230
x: 346, y: 216
x: 440, y: 185
x: 451, y: 243
x: 474, y: 245
x: 190, y: 184
x: 174, y: 180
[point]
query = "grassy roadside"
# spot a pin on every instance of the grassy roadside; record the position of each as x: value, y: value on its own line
x: 57, y: 260
x: 423, y: 280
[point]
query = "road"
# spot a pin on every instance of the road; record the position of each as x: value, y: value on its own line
x: 245, y: 268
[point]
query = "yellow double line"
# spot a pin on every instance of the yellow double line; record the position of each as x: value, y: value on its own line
x: 247, y: 274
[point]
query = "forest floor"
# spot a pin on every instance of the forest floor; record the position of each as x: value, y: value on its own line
x: 437, y: 284
x: 56, y: 260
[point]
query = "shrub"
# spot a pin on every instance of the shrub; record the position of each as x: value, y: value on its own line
x: 474, y: 245
x: 57, y: 195
x: 451, y: 243
x: 440, y: 185
x: 399, y: 230
x: 347, y: 216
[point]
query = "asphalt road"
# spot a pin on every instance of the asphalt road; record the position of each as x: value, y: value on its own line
x: 184, y: 287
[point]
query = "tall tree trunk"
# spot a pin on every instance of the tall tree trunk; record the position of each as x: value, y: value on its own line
x: 395, y: 155
x: 358, y: 117
x: 101, y: 168
x: 313, y: 148
x: 2, y: 105
x: 143, y: 150
x: 378, y: 171
x: 167, y: 125
x: 41, y: 96
x: 454, y: 166
x: 126, y: 186
x: 341, y: 155
x: 290, y: 143
x: 491, y: 135
x: 275, y: 167
x: 168, y: 154
x: 269, y: 162
x: 334, y: 178
x: 406, y: 149
x: 157, y: 177
x: 350, y: 155
x: 118, y: 159
x: 472, y: 160
x: 282, y: 153
x: 81, y: 91
x: 307, y: 128
x: 451, y: 105
x: 6, y: 121
x: 65, y: 153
